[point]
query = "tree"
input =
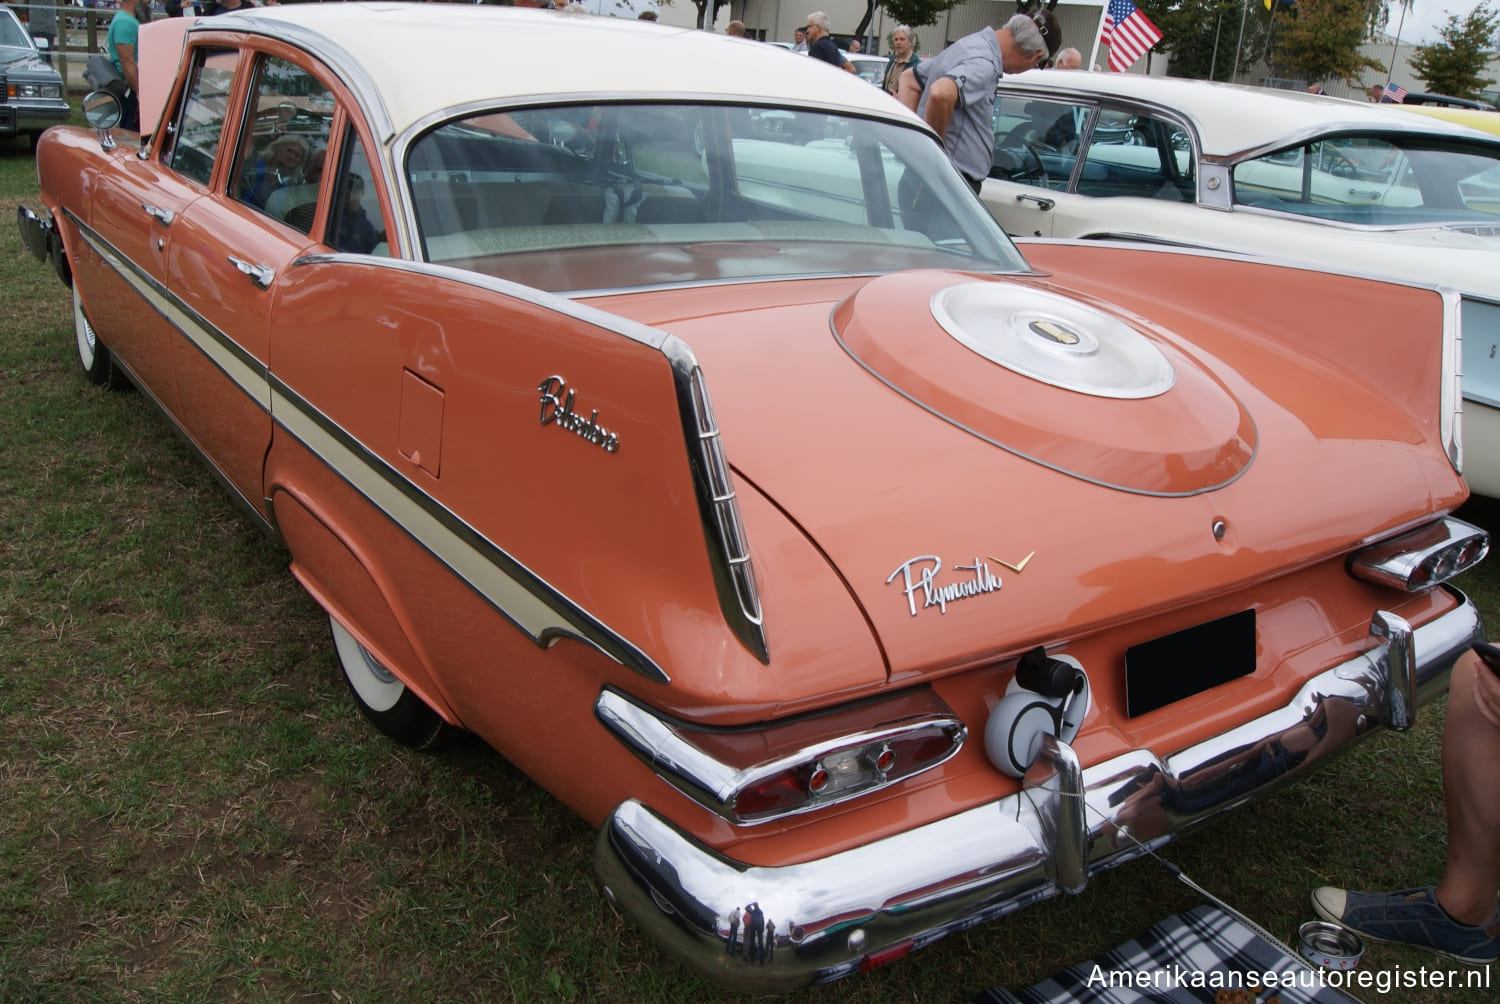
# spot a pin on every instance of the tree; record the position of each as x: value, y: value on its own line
x: 909, y: 12
x: 1320, y: 39
x: 1456, y: 64
x: 706, y: 17
x: 1204, y: 37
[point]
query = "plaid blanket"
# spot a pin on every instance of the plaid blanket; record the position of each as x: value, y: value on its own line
x: 1202, y: 956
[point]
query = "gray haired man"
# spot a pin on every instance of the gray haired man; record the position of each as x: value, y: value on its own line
x: 954, y: 92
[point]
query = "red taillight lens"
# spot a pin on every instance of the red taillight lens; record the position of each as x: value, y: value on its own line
x: 779, y: 793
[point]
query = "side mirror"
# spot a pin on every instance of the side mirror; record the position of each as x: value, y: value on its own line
x: 42, y: 42
x: 102, y: 110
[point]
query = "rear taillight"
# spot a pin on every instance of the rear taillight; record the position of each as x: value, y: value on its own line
x: 1422, y: 558
x: 824, y: 776
x: 751, y: 775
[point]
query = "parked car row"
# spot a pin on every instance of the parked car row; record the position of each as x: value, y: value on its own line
x: 1347, y: 185
x: 718, y: 459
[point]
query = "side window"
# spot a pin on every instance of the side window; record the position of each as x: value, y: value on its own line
x: 1036, y: 141
x: 1139, y: 156
x: 194, y: 138
x: 354, y: 221
x: 280, y: 163
x: 1356, y: 179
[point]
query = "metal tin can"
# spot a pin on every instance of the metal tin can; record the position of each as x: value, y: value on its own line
x: 1329, y: 946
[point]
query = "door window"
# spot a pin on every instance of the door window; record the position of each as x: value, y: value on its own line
x: 285, y: 139
x: 1138, y: 156
x: 355, y: 222
x: 193, y: 139
x: 1036, y: 140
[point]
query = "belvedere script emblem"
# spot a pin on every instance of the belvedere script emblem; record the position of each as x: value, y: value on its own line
x: 920, y: 586
x: 557, y: 409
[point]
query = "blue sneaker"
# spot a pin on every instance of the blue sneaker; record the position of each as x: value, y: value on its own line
x: 1410, y: 917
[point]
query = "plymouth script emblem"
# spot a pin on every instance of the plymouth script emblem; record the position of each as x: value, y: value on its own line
x: 922, y: 590
x: 557, y: 409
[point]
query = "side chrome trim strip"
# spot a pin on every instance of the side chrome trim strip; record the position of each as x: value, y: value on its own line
x: 728, y: 555
x: 240, y: 367
x: 522, y: 596
x: 914, y: 887
x: 516, y: 592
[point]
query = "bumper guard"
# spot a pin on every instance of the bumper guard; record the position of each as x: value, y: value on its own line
x: 823, y: 919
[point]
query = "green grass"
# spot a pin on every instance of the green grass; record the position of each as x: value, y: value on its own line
x: 194, y: 811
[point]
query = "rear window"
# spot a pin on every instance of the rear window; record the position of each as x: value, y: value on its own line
x: 584, y: 196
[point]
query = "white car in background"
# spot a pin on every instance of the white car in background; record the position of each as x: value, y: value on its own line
x: 1266, y: 172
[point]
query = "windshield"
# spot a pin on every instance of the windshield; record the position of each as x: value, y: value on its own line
x: 11, y: 32
x: 609, y: 196
x: 1377, y: 180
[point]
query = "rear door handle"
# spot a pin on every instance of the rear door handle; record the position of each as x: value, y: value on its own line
x: 261, y: 275
x: 1042, y: 202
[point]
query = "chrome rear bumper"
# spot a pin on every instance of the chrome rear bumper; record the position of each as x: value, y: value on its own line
x: 823, y: 919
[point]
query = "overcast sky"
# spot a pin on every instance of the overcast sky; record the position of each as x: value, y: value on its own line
x: 1426, y: 18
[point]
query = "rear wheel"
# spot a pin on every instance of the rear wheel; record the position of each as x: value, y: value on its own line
x: 384, y: 699
x: 97, y: 363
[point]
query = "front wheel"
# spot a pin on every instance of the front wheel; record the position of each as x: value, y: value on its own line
x: 384, y: 699
x: 97, y: 363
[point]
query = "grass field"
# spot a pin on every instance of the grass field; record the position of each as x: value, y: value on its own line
x: 192, y: 810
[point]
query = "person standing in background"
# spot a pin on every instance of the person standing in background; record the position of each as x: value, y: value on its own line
x: 903, y: 57
x: 121, y: 45
x: 820, y: 42
x: 43, y: 24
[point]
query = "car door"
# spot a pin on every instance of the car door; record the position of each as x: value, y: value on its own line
x: 1035, y: 153
x: 228, y: 253
x: 135, y: 212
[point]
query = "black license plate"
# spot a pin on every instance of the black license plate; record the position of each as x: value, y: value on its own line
x: 1179, y: 665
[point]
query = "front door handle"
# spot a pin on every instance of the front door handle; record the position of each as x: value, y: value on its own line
x: 261, y: 275
x: 162, y: 216
x: 1043, y: 203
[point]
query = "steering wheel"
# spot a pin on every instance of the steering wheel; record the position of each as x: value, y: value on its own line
x: 1339, y: 166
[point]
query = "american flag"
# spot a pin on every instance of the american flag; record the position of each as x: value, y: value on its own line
x: 1394, y: 93
x: 1129, y: 34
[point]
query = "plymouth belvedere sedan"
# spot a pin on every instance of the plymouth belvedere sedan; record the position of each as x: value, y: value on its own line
x: 1267, y: 172
x: 718, y: 460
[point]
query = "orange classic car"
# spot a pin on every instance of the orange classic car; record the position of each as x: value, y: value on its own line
x: 716, y: 458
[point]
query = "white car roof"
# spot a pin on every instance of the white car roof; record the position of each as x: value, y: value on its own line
x: 1231, y: 118
x: 426, y: 57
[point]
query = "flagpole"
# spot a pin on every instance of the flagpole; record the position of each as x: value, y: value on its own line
x: 1235, y: 69
x: 1400, y: 23
x: 1214, y: 60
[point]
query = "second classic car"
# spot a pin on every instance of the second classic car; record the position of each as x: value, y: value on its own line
x: 718, y: 460
x: 1267, y: 172
x: 31, y: 90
